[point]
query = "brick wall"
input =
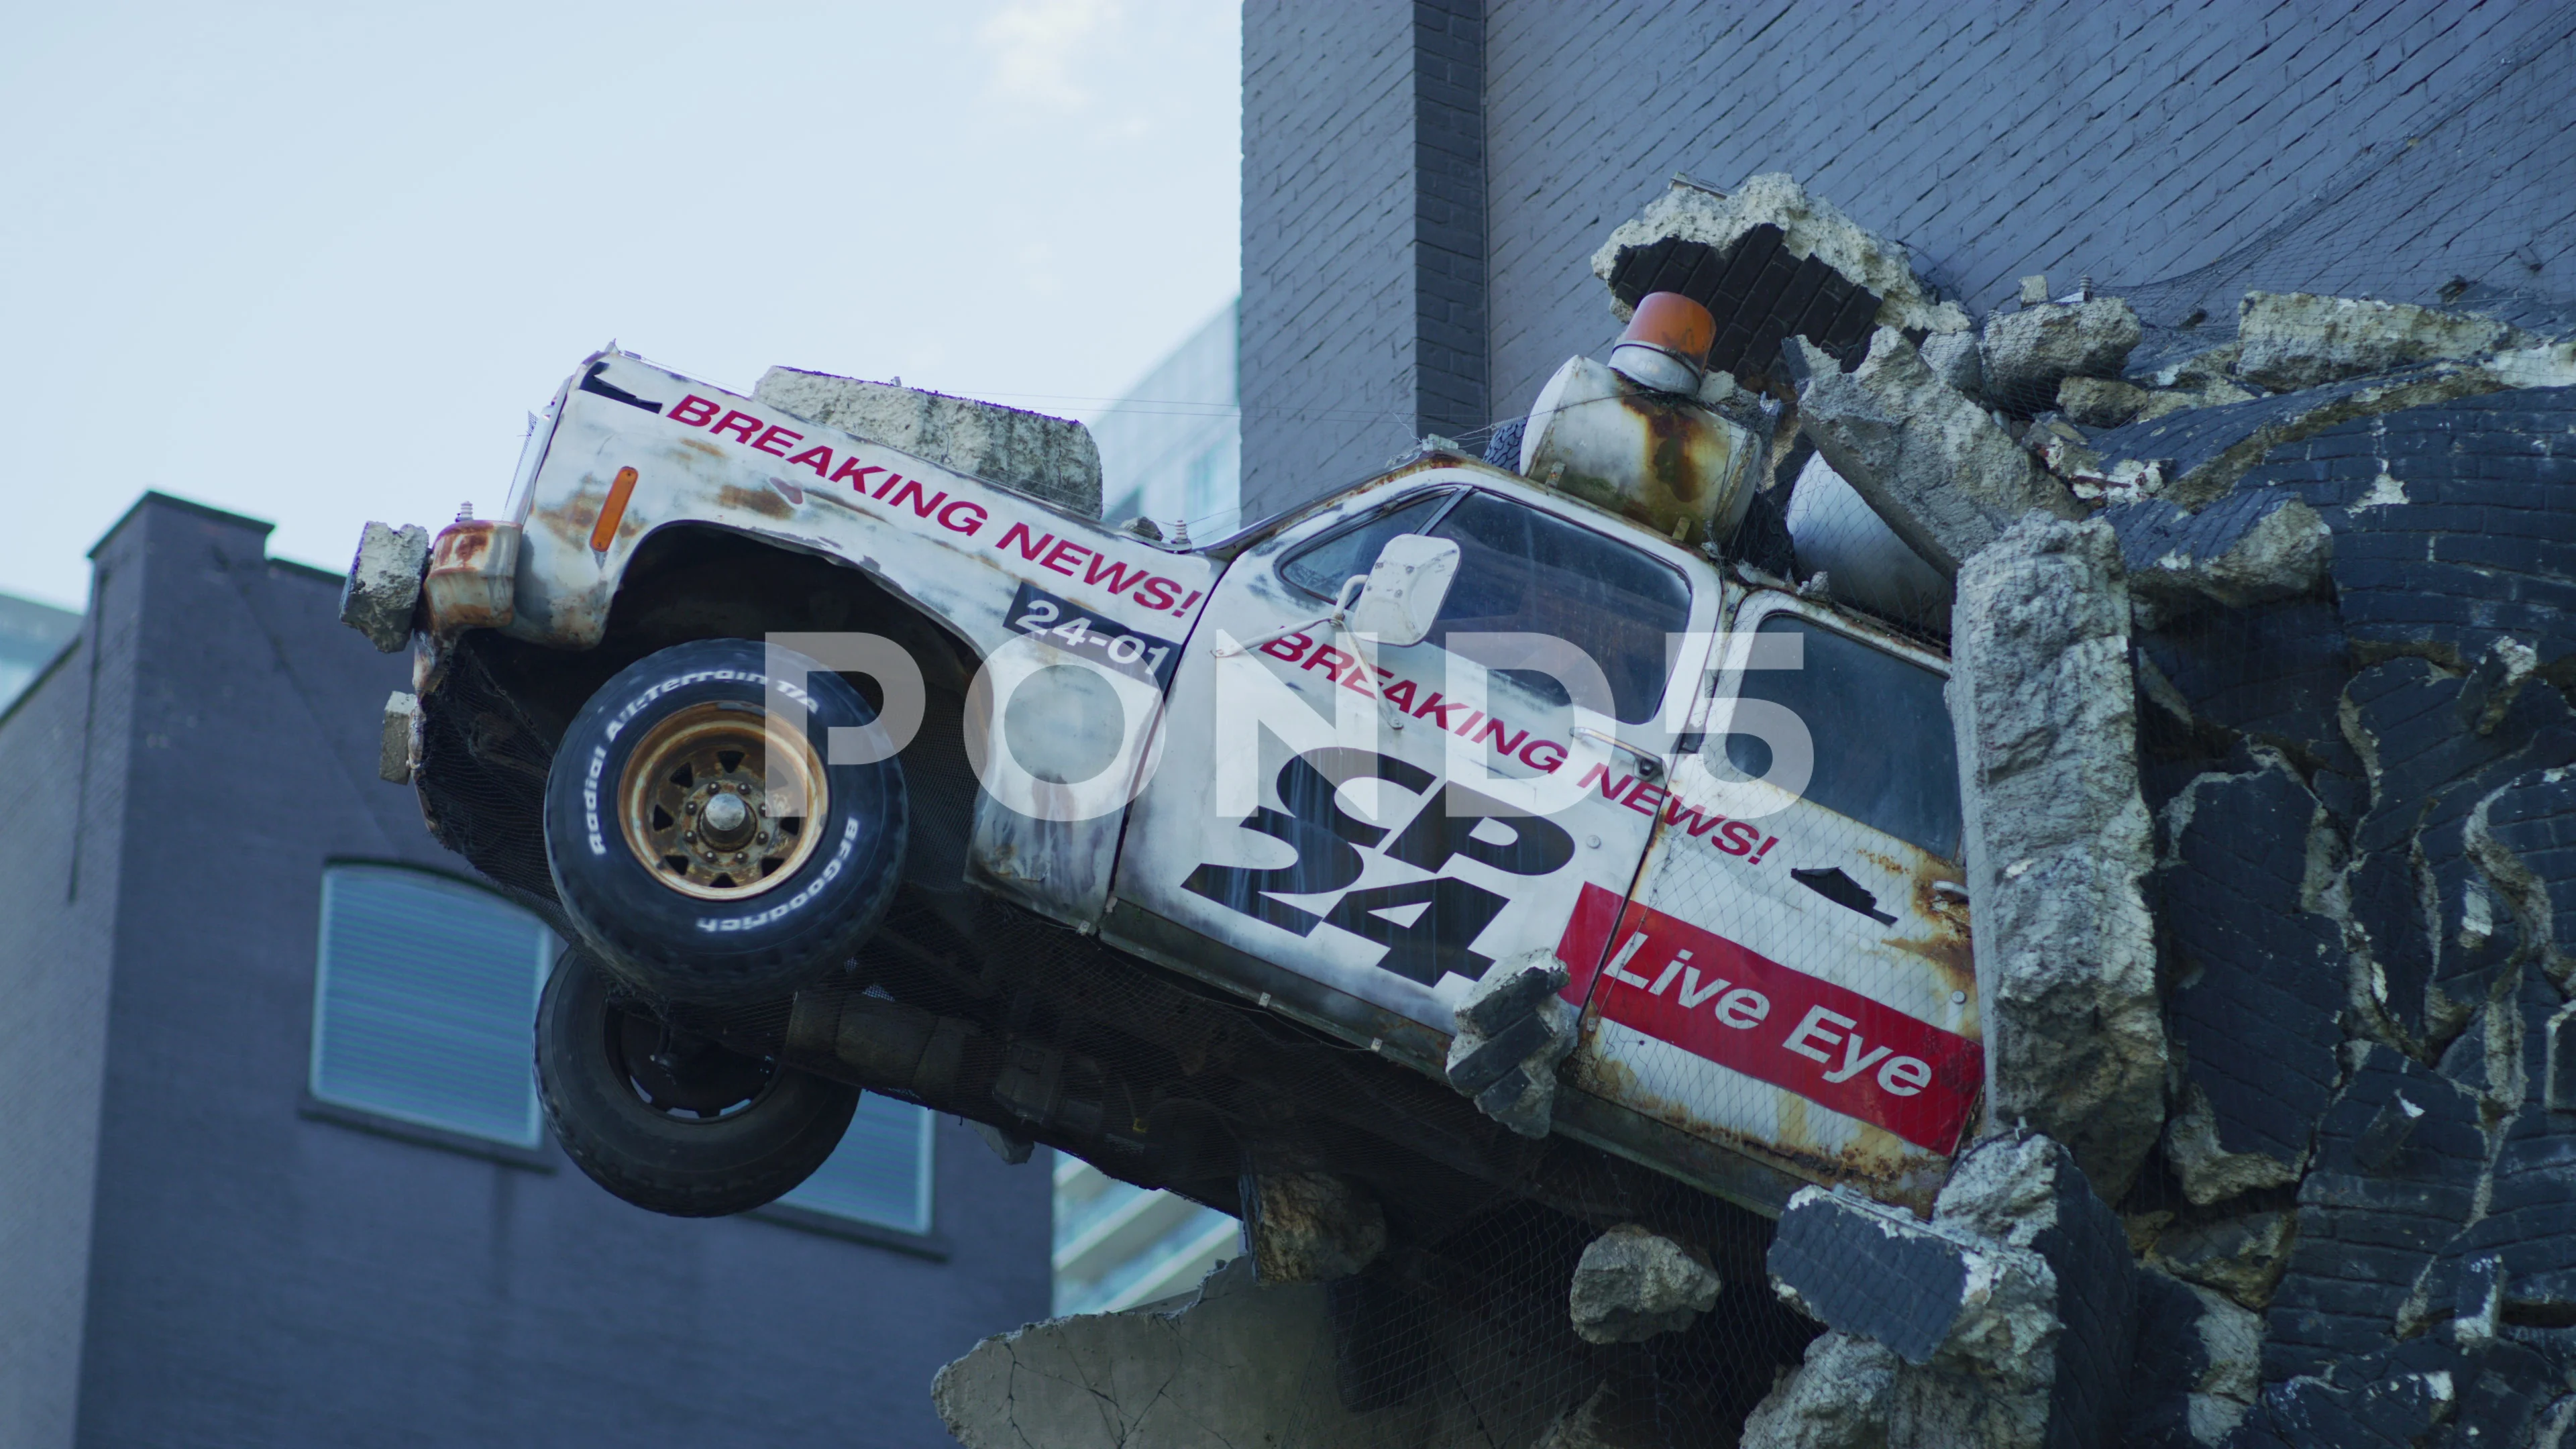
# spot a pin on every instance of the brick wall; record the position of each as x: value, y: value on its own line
x: 2385, y: 150
x: 1328, y: 208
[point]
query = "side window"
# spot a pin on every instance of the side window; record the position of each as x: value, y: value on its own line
x: 1322, y: 568
x: 423, y: 1000
x: 881, y: 1171
x: 1526, y: 572
x: 1881, y: 730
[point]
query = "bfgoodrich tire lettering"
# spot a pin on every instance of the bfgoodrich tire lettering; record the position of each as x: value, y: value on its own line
x: 672, y: 929
x: 700, y: 1133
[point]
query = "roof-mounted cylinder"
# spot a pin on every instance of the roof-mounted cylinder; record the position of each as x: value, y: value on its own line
x: 1666, y: 344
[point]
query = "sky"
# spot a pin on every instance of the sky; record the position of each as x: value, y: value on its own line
x: 316, y: 264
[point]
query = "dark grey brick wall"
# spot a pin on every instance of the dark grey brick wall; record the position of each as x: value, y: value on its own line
x: 1449, y: 215
x: 261, y: 1277
x: 63, y: 749
x: 1328, y: 213
x: 2383, y: 149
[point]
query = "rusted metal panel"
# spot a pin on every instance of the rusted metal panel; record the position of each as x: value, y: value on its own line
x: 473, y: 574
x: 1795, y: 986
x: 1664, y: 463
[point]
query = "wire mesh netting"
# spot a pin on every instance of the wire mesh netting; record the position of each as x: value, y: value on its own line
x: 2351, y: 773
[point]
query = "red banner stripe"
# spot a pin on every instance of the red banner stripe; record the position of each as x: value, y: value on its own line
x: 1715, y: 999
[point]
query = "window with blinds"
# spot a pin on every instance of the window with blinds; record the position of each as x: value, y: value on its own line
x: 881, y: 1171
x: 424, y: 1000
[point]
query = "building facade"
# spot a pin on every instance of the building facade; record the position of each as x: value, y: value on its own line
x: 31, y: 634
x: 1424, y: 183
x: 1171, y: 450
x: 278, y: 1177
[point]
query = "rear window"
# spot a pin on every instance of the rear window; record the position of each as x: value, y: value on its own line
x: 1884, y: 755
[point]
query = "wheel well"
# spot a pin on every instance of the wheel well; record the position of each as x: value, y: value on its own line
x: 494, y: 726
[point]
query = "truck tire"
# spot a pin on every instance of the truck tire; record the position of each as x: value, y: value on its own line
x: 664, y: 847
x: 670, y: 1122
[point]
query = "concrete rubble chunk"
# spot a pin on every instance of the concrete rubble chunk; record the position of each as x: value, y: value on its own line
x: 1313, y: 1227
x: 2297, y: 339
x: 2010, y: 1316
x: 1052, y: 459
x: 1634, y: 1284
x: 1919, y: 1289
x: 2064, y: 450
x: 1931, y: 463
x: 2203, y: 452
x: 2197, y: 1370
x: 1836, y: 1399
x: 399, y: 743
x: 2042, y: 704
x: 2251, y: 547
x: 383, y: 587
x: 1513, y: 1029
x: 2027, y: 353
x: 2241, y: 1257
x: 1234, y: 1363
x: 2101, y: 402
x: 1952, y: 356
x: 1810, y: 226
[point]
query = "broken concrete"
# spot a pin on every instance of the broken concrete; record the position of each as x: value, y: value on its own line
x: 1634, y: 1284
x: 2254, y: 546
x: 1052, y: 459
x: 1953, y: 358
x: 399, y: 745
x: 2241, y: 1257
x: 1929, y: 461
x: 1233, y: 1363
x: 2197, y: 1371
x: 1837, y: 1399
x: 1311, y: 1227
x: 1922, y: 1290
x: 2065, y: 451
x: 2292, y: 340
x: 2028, y: 353
x: 1513, y: 1029
x: 2101, y: 402
x: 2203, y: 452
x: 2010, y: 1315
x: 383, y: 587
x: 1811, y: 226
x: 2057, y: 844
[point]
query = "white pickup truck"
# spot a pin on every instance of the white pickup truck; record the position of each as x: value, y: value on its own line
x: 841, y: 769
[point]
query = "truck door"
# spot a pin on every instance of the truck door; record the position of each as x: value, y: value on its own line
x: 1362, y: 887
x: 1792, y: 976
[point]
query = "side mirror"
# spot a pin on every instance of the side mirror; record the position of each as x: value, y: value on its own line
x: 1405, y: 589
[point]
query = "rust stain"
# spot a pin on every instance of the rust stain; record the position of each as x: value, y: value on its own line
x: 1875, y: 1160
x: 763, y: 501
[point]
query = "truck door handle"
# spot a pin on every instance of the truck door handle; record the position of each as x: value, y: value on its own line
x: 1650, y: 766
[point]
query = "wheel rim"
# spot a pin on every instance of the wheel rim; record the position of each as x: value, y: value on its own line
x: 712, y: 810
x: 683, y: 1076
